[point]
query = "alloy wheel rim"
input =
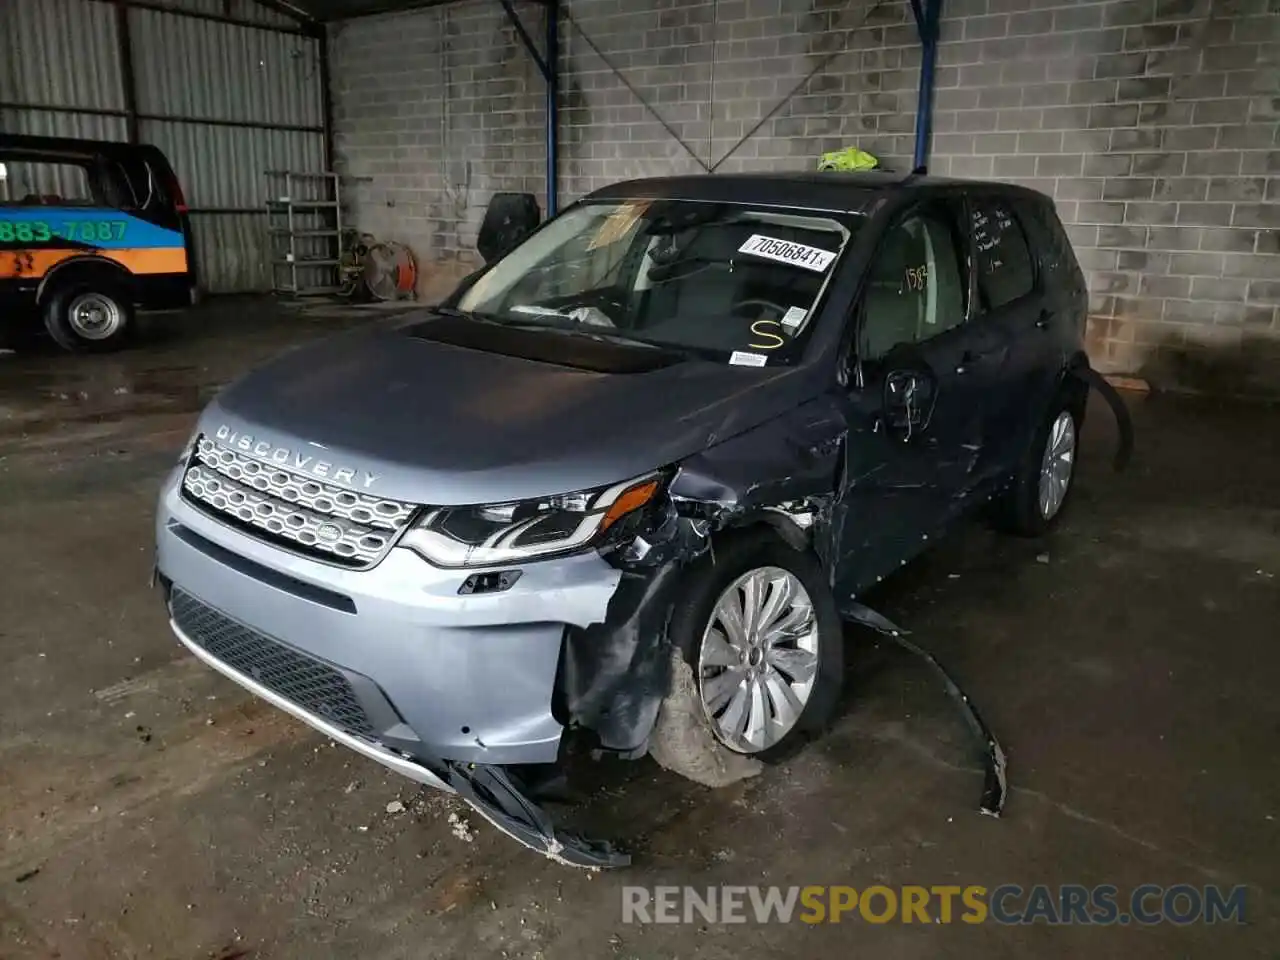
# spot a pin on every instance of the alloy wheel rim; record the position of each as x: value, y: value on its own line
x: 1057, y: 465
x: 758, y: 659
x: 95, y: 316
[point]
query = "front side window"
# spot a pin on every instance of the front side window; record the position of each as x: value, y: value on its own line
x: 1005, y: 272
x: 729, y: 282
x: 915, y: 287
x: 30, y: 183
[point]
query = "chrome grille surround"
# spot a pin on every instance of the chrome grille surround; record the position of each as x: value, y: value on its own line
x: 294, y: 510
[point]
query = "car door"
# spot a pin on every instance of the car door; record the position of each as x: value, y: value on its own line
x: 916, y: 409
x: 1010, y: 307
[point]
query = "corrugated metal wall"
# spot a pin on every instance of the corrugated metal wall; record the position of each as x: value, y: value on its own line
x: 238, y: 9
x: 223, y: 101
x: 61, y: 53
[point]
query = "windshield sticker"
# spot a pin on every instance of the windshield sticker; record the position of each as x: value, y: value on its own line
x: 740, y: 358
x: 767, y: 335
x: 796, y: 254
x: 793, y: 318
x: 618, y: 224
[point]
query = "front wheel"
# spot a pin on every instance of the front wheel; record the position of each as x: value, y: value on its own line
x: 759, y: 629
x: 89, y: 317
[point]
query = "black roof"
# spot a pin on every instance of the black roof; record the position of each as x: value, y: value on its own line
x: 67, y: 145
x: 827, y: 190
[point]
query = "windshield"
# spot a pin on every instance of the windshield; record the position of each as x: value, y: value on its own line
x: 728, y: 282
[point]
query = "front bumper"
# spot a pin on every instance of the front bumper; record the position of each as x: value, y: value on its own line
x: 438, y: 676
x: 374, y: 751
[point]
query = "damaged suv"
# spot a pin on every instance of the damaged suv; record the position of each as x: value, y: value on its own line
x: 629, y: 477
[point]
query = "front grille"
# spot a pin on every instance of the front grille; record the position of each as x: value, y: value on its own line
x: 310, y: 683
x: 293, y: 510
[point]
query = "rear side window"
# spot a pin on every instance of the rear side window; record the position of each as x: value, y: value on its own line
x: 1058, y: 253
x: 1005, y: 270
x: 31, y: 183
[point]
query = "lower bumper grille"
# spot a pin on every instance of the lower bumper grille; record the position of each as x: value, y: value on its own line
x: 310, y: 683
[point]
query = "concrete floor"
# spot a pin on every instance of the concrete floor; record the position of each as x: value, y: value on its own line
x: 1129, y: 664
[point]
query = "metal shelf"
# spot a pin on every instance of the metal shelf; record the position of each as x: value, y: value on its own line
x: 295, y: 248
x: 299, y: 174
x: 303, y: 233
x: 285, y: 203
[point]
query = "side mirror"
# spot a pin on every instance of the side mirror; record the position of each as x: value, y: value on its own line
x: 509, y: 219
x: 909, y: 396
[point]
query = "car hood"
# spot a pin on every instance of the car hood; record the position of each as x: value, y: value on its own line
x: 452, y: 411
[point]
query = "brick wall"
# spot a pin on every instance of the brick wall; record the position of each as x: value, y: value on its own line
x: 433, y: 112
x: 1155, y: 124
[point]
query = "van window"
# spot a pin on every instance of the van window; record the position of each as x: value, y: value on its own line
x: 916, y: 286
x: 1005, y: 272
x: 44, y: 183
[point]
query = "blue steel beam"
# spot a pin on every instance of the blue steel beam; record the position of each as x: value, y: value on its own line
x: 927, y: 25
x: 553, y: 110
x: 548, y: 66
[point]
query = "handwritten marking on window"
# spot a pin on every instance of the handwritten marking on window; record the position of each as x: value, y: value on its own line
x: 767, y: 333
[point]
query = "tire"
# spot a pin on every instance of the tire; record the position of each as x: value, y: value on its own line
x: 694, y: 615
x: 1025, y: 509
x: 90, y: 316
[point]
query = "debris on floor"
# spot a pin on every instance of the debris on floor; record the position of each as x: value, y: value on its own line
x: 461, y: 828
x: 995, y: 787
x: 499, y: 796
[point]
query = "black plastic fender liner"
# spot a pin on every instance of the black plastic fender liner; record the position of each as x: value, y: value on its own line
x: 1124, y: 423
x: 494, y: 794
x: 614, y: 674
x: 995, y: 786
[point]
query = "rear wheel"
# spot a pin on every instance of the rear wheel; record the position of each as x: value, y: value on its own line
x: 1042, y: 486
x: 89, y: 316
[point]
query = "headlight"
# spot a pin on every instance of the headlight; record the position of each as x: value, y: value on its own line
x: 482, y: 536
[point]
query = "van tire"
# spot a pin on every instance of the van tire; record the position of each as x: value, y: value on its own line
x: 90, y: 316
x: 707, y: 581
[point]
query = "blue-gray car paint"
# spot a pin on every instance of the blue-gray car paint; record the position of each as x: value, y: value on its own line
x: 801, y: 447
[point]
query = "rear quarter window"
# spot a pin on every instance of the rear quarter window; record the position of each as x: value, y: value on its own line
x: 1005, y: 267
x: 1057, y: 252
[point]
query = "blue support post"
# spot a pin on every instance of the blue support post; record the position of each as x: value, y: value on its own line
x: 548, y: 66
x: 927, y: 21
x: 553, y: 110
